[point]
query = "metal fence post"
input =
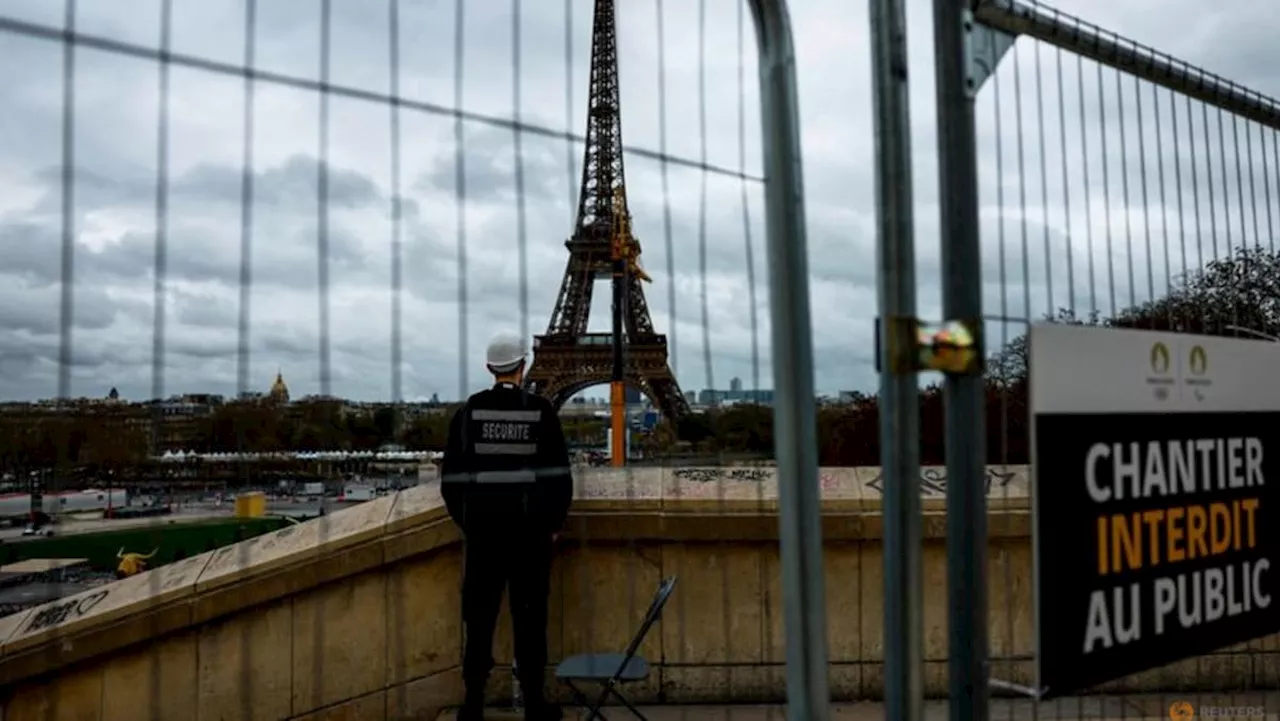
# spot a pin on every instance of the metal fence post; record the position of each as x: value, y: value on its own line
x: 899, y: 393
x: 963, y: 394
x: 795, y: 411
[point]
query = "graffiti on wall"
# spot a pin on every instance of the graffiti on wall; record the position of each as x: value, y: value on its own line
x: 629, y: 489
x: 717, y: 482
x: 68, y: 610
x: 706, y: 482
x: 828, y: 481
x: 713, y: 475
x: 933, y: 481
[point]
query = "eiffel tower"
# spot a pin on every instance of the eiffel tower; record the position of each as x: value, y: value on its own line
x: 567, y: 359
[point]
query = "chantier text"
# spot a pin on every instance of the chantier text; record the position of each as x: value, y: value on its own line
x: 1116, y: 471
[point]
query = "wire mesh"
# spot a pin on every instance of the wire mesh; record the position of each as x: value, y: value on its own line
x: 1120, y: 188
x: 287, y: 177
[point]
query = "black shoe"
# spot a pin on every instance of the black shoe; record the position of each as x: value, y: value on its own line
x: 472, y: 706
x: 543, y: 712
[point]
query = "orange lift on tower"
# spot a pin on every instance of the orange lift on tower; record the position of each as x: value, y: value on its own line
x: 626, y: 260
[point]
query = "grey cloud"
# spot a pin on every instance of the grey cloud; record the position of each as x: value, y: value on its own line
x: 45, y: 350
x: 32, y: 240
x: 204, y: 233
x: 490, y: 165
x: 292, y: 342
x: 205, y: 310
x: 35, y: 310
x: 92, y: 189
x: 203, y: 346
x: 31, y: 251
x: 290, y: 185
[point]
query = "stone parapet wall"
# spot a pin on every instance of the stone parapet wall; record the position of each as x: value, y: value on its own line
x: 357, y: 615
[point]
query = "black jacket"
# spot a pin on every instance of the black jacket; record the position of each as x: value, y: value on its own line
x: 506, y: 467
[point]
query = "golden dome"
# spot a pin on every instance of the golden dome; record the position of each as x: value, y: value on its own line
x: 279, y: 391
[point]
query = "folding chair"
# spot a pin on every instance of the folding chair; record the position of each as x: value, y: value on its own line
x: 611, y: 670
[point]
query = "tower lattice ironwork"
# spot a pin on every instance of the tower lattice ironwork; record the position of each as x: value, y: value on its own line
x: 568, y: 359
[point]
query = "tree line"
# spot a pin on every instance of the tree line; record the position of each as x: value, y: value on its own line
x: 1237, y: 291
x: 1235, y: 295
x: 110, y: 439
x: 32, y: 443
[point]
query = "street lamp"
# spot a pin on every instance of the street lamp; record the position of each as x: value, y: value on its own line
x: 1254, y: 333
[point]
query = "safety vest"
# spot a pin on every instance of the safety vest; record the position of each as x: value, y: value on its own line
x: 503, y: 444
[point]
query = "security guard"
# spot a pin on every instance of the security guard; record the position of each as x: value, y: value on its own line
x: 506, y: 481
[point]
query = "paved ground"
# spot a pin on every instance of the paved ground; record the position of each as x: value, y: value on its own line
x: 189, y: 513
x: 1111, y: 708
x: 35, y: 593
x: 74, y: 527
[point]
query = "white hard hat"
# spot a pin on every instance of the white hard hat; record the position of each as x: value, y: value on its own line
x: 505, y: 353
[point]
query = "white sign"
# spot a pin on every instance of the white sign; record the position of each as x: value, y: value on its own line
x: 1156, y: 463
x: 1082, y: 369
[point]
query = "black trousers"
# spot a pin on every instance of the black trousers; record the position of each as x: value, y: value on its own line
x: 522, y: 564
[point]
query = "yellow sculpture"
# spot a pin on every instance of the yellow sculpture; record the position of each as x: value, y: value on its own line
x: 131, y: 564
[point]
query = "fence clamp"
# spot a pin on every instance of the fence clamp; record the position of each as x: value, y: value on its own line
x: 953, y: 347
x: 985, y: 47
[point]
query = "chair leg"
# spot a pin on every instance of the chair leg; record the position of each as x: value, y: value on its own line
x: 605, y: 693
x: 580, y: 698
x: 593, y: 711
x: 630, y: 707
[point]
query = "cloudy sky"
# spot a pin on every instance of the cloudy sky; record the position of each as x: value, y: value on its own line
x: 116, y: 133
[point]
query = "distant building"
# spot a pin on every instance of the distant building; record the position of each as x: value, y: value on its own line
x: 104, y: 411
x: 182, y: 420
x: 713, y: 397
x: 279, y: 391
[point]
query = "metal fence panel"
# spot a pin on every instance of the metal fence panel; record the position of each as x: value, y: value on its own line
x: 899, y: 390
x: 1128, y: 189
x: 383, y: 170
x: 799, y: 501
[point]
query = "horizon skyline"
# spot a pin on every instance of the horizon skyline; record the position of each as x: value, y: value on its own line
x: 307, y: 396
